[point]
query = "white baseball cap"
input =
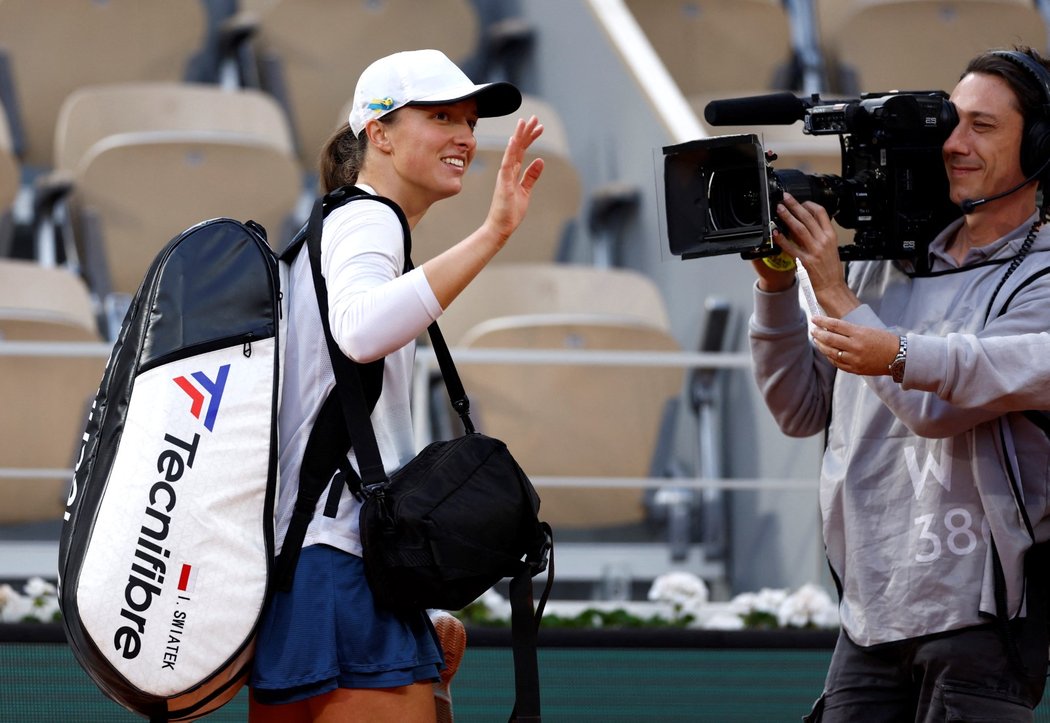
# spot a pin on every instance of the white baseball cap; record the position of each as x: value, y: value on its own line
x: 423, y: 77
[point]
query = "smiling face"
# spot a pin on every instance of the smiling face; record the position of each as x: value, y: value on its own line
x: 982, y: 156
x: 430, y: 148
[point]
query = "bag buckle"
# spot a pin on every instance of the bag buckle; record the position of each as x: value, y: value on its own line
x: 545, y: 551
x: 376, y: 489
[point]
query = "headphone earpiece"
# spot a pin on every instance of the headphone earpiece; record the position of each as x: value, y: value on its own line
x: 1035, y: 144
x: 1035, y: 147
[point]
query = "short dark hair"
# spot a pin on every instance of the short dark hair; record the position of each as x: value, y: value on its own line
x: 1030, y: 95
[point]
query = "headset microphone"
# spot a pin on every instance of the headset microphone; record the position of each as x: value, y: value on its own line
x: 968, y: 205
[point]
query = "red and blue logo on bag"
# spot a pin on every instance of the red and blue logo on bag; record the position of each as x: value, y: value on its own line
x: 211, y: 387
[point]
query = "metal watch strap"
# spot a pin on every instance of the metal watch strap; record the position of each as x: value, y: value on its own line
x: 896, y: 366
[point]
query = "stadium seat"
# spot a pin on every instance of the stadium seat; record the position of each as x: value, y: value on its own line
x: 133, y: 192
x: 554, y: 306
x: 55, y: 47
x: 880, y: 45
x: 713, y: 46
x: 513, y: 289
x: 555, y: 202
x: 310, y: 53
x: 567, y: 420
x: 45, y: 396
x: 208, y: 152
x: 93, y: 112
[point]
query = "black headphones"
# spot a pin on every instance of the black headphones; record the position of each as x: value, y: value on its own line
x: 1035, y: 144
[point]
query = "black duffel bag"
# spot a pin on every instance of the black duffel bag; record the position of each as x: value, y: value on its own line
x: 450, y: 524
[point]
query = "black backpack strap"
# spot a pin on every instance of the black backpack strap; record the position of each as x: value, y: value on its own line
x: 349, y: 379
x: 325, y: 464
x: 524, y: 629
x: 345, y: 476
x: 327, y: 444
x: 349, y: 391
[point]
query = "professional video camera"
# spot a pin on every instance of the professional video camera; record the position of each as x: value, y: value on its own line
x: 720, y: 192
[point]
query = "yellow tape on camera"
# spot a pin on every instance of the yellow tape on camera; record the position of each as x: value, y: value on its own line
x: 780, y: 262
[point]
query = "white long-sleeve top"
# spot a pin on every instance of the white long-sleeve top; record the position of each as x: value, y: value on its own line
x: 374, y: 312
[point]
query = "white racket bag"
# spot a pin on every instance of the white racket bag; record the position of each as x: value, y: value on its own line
x: 167, y: 543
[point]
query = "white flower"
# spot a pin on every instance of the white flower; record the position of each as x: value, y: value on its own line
x: 16, y: 609
x: 769, y: 600
x: 7, y: 594
x: 724, y: 621
x: 766, y: 600
x: 809, y: 605
x: 45, y: 609
x: 743, y: 603
x: 40, y: 602
x: 684, y: 590
x: 827, y: 617
x: 38, y: 587
x: 497, y: 605
x: 491, y: 598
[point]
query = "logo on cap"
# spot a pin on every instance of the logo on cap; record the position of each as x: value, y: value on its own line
x: 381, y: 104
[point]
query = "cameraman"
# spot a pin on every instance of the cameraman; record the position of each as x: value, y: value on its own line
x: 934, y: 480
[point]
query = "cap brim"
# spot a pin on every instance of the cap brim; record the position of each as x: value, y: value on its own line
x: 494, y: 99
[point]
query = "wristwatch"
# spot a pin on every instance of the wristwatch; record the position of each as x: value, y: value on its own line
x: 897, y: 365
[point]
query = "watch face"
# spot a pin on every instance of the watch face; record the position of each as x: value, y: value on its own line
x: 897, y: 370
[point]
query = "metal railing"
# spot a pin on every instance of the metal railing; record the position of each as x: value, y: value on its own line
x: 576, y: 560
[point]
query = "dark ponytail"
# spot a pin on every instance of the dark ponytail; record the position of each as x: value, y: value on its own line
x: 342, y: 157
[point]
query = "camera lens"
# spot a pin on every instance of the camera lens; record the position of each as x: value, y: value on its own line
x: 734, y: 198
x: 820, y: 188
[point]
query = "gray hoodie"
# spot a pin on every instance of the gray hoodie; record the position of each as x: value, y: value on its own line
x: 916, y: 477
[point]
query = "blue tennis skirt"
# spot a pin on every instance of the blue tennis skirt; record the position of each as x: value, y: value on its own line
x: 328, y: 633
